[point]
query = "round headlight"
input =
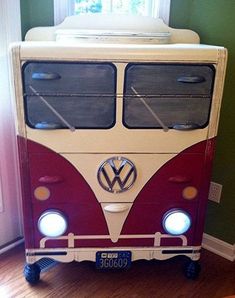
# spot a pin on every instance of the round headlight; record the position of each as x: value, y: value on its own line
x: 176, y: 222
x: 52, y: 223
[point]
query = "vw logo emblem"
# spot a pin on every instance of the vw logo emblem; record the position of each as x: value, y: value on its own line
x: 117, y: 174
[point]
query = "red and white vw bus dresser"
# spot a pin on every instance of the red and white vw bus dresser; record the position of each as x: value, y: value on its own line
x: 116, y: 141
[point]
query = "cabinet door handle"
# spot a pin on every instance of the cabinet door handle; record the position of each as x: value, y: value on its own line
x: 191, y: 79
x: 50, y: 179
x: 187, y: 126
x: 45, y: 76
x: 180, y: 179
x: 47, y: 126
x: 116, y: 208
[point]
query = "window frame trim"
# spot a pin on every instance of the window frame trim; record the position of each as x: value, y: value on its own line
x: 63, y: 8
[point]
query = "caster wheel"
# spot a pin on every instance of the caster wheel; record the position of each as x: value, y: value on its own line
x: 192, y: 269
x: 32, y: 273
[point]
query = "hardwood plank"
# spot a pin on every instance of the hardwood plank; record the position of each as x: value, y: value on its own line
x: 144, y: 279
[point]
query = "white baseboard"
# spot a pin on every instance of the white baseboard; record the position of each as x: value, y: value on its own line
x: 219, y: 247
x: 11, y: 245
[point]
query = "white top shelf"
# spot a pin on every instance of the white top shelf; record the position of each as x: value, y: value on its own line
x: 112, y: 36
x: 113, y: 29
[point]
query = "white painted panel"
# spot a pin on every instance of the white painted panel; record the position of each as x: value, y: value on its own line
x: 1, y: 197
x: 10, y: 227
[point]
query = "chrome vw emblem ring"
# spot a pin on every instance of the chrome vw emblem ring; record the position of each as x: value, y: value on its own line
x: 117, y: 174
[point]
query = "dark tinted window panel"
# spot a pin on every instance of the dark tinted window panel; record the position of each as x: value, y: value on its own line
x: 169, y: 95
x: 84, y: 97
x: 169, y: 79
x: 171, y: 112
x: 79, y: 112
x: 53, y: 78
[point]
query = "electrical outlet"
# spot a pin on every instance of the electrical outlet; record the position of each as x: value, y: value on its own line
x: 215, y: 192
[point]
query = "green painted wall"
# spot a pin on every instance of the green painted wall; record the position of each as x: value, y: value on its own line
x: 214, y: 20
x: 36, y: 13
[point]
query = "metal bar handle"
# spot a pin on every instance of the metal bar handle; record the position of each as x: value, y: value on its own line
x: 45, y: 76
x: 50, y: 179
x: 47, y: 126
x: 191, y: 79
x: 186, y: 126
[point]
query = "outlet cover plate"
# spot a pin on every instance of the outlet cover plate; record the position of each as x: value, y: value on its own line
x: 215, y: 192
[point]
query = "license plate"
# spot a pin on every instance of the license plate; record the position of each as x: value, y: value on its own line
x: 113, y: 259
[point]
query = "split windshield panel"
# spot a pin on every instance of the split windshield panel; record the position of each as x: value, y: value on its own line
x: 69, y: 95
x: 167, y: 95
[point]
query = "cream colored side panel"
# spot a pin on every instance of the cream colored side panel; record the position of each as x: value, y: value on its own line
x: 218, y: 93
x: 17, y: 89
x: 146, y: 165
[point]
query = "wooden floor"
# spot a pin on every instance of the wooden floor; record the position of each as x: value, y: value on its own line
x: 161, y: 279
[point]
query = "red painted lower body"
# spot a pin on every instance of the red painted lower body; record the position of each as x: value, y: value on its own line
x: 75, y: 198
